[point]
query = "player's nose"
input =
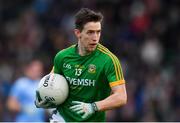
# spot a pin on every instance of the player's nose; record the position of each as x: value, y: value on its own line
x: 95, y: 37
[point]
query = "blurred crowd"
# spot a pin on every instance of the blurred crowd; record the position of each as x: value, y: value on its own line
x: 144, y: 34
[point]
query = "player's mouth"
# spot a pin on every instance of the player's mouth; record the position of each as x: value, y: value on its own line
x: 93, y: 44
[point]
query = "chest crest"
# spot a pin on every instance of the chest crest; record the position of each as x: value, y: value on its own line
x: 92, y: 68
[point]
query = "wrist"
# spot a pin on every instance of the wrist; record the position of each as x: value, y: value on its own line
x: 94, y: 106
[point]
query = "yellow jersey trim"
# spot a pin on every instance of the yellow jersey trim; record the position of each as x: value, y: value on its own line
x: 120, y: 82
x: 117, y: 77
x: 118, y: 70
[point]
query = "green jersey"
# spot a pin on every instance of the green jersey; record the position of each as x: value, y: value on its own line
x: 90, y: 78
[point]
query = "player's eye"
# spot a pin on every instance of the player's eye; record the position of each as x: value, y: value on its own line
x: 98, y: 32
x: 90, y: 32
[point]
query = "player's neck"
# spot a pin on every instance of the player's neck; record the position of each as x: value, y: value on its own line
x: 82, y: 51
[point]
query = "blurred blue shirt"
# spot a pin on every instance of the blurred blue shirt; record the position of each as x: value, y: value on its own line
x: 24, y: 90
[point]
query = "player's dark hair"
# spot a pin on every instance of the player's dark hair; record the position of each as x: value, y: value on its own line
x: 86, y: 15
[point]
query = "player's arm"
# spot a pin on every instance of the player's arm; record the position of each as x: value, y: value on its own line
x: 13, y: 104
x: 116, y: 99
x: 52, y: 70
x: 114, y: 74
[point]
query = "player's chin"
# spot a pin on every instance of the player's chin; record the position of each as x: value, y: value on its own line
x: 91, y: 49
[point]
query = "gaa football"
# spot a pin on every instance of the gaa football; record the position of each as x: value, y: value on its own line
x: 54, y: 88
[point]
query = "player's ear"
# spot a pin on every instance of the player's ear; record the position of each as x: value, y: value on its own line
x: 77, y: 32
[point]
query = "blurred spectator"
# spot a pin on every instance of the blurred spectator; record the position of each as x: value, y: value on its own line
x: 22, y: 94
x: 152, y: 52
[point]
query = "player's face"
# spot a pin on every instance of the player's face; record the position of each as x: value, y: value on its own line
x: 89, y: 36
x: 35, y: 70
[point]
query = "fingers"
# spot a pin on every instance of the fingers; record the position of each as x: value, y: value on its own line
x: 43, y: 102
x: 80, y: 112
x: 76, y: 108
x: 49, y: 105
x: 40, y: 103
x: 38, y: 97
x: 85, y: 116
x: 36, y: 104
x: 84, y: 109
x: 76, y: 102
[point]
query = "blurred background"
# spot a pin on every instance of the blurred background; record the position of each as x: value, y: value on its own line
x: 144, y: 34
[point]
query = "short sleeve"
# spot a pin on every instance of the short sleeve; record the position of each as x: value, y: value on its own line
x: 113, y: 71
x: 16, y: 90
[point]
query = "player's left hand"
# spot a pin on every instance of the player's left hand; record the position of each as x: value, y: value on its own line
x: 43, y: 103
x: 84, y: 109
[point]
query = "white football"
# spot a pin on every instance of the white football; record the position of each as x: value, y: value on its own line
x: 53, y: 87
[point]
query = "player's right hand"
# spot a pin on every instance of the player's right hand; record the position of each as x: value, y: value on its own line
x: 43, y: 103
x: 84, y: 109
